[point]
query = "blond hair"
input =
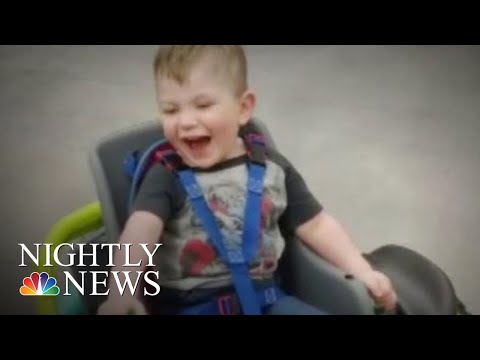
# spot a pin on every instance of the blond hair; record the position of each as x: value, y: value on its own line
x: 176, y: 62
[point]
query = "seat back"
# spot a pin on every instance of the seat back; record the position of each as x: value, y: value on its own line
x: 112, y: 184
x: 306, y: 275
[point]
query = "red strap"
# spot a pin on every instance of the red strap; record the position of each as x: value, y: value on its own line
x: 167, y: 156
x: 256, y: 148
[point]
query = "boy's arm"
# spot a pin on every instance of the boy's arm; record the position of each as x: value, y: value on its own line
x: 141, y: 228
x: 326, y: 237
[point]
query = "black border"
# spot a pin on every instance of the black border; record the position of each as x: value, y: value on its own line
x: 290, y: 23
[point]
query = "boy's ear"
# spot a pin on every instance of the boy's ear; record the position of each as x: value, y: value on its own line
x: 248, y: 103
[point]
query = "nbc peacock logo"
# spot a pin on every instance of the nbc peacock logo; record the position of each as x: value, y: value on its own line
x: 39, y: 285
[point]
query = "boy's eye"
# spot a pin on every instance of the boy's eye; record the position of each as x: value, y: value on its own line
x: 204, y: 105
x: 169, y: 111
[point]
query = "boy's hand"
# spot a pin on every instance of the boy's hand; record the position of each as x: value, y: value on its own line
x: 380, y: 288
x: 122, y: 306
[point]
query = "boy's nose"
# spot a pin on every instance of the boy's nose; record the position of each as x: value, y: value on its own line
x: 187, y: 120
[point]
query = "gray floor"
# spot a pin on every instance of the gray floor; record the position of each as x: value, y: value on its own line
x: 386, y: 137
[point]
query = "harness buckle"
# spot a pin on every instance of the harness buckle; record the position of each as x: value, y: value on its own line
x: 235, y: 257
x: 255, y: 186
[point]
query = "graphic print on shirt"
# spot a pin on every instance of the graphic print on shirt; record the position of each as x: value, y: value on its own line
x: 196, y: 255
x: 228, y: 208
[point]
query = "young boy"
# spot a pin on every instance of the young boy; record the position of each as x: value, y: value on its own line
x: 204, y: 103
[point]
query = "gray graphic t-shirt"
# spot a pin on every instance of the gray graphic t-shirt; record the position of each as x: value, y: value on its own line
x: 187, y: 259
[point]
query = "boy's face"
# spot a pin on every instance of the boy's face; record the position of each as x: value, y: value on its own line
x: 202, y: 116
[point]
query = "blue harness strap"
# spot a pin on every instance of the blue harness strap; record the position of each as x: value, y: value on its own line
x: 237, y: 259
x: 253, y: 209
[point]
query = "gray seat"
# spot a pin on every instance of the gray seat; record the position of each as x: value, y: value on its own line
x: 306, y: 275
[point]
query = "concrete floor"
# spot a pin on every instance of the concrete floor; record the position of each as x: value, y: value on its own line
x: 386, y: 137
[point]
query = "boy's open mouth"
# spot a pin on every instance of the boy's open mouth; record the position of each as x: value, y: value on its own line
x: 197, y: 143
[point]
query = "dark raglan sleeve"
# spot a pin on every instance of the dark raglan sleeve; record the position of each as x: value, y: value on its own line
x: 302, y: 205
x: 160, y: 193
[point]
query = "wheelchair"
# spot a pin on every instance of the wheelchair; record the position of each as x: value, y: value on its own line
x: 423, y: 288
